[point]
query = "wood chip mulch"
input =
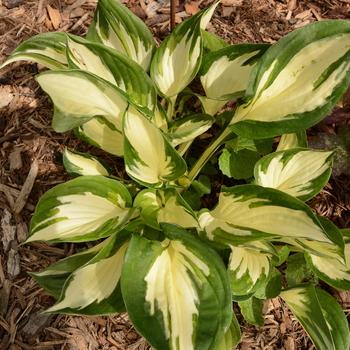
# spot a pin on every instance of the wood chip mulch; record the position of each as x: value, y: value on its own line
x: 31, y: 163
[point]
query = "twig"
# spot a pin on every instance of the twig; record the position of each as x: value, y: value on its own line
x: 9, y: 192
x: 27, y: 188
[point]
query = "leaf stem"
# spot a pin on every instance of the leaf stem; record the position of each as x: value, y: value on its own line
x: 171, y: 108
x: 207, y: 154
x: 184, y: 147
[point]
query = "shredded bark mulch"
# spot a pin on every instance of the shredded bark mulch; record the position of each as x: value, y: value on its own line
x: 31, y: 163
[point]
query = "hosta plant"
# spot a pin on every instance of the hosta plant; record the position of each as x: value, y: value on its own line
x: 177, y: 266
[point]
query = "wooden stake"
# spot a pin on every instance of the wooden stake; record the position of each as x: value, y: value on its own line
x: 172, y: 14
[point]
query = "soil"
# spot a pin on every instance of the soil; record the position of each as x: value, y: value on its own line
x: 31, y: 163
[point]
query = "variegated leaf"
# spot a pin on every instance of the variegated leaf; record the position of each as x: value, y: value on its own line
x: 149, y: 157
x: 85, y: 55
x: 100, y: 133
x: 331, y: 270
x: 48, y: 49
x: 188, y: 128
x: 295, y: 140
x: 325, y: 249
x: 225, y: 73
x: 299, y: 172
x: 176, y: 291
x: 209, y: 105
x: 78, y: 163
x: 177, y: 60
x: 84, y: 209
x: 206, y: 15
x: 232, y: 336
x: 272, y: 286
x: 79, y: 96
x: 94, y: 288
x: 238, y: 164
x: 249, y: 268
x: 298, y: 271
x: 117, y: 27
x: 160, y: 119
x: 297, y: 81
x: 212, y: 42
x: 335, y: 319
x: 165, y: 206
x: 308, y: 304
x: 113, y: 67
x: 249, y: 212
x: 252, y: 311
x: 53, y: 278
x: 262, y: 246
